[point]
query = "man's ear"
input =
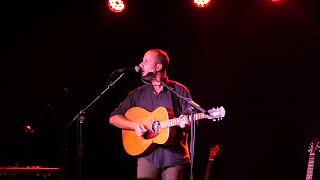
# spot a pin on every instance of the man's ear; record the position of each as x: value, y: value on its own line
x: 159, y: 67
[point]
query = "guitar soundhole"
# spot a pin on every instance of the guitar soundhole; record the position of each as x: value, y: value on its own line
x: 153, y: 132
x: 156, y: 126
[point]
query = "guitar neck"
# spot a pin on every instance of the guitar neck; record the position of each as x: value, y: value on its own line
x: 208, y: 171
x: 177, y: 121
x: 310, y: 166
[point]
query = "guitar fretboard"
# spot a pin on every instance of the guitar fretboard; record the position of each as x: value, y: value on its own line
x: 176, y: 121
x: 310, y: 166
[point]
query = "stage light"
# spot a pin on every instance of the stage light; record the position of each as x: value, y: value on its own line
x: 116, y: 5
x: 28, y: 129
x: 277, y: 2
x: 201, y: 3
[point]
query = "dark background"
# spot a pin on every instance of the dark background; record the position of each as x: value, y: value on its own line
x: 257, y: 59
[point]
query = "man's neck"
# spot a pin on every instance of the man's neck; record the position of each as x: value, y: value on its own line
x: 158, y: 89
x: 160, y: 78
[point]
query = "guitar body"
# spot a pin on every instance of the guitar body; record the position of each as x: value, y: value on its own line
x: 135, y: 145
x: 160, y: 129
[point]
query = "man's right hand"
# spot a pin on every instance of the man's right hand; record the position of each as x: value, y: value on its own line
x: 140, y: 129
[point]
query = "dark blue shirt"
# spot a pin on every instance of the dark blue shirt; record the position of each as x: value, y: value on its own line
x: 146, y: 97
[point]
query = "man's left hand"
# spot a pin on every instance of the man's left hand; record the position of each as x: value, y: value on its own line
x: 184, y: 121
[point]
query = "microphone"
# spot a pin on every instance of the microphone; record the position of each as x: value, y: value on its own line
x: 128, y: 69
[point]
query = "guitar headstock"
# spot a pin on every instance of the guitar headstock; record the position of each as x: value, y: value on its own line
x: 216, y: 113
x: 215, y: 151
x: 314, y: 146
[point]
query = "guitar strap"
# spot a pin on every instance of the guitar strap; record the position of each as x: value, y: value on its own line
x: 175, y: 101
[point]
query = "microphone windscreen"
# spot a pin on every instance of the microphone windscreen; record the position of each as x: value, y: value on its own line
x: 137, y: 69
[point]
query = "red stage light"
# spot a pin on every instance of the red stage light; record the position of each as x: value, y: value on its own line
x: 28, y: 129
x: 201, y: 3
x: 116, y: 5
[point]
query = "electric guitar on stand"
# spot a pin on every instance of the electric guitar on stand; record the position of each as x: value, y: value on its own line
x: 158, y: 126
x: 313, y: 149
x: 215, y: 152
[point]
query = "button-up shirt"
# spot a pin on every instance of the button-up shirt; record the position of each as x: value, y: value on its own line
x: 146, y: 97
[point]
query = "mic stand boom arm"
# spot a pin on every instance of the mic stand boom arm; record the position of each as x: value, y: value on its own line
x: 196, y: 106
x: 80, y: 119
x: 192, y: 103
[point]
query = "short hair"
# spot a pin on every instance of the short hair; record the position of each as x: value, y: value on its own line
x: 163, y: 58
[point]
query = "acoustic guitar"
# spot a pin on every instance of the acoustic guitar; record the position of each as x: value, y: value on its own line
x: 313, y: 148
x: 215, y: 152
x: 158, y: 126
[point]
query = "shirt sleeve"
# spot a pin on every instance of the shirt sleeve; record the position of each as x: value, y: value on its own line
x: 123, y: 107
x: 184, y: 92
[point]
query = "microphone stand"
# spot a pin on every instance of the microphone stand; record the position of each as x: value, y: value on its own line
x: 79, y: 119
x: 194, y: 106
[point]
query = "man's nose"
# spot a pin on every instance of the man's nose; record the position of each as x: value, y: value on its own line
x: 141, y: 65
